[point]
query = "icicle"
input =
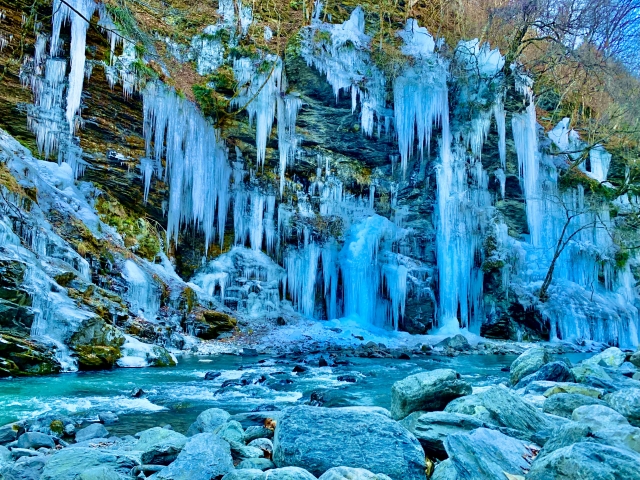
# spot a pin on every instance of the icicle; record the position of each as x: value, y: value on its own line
x: 197, y: 168
x: 341, y: 52
x: 288, y: 107
x: 258, y: 94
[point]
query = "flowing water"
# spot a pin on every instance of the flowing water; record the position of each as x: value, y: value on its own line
x: 177, y: 395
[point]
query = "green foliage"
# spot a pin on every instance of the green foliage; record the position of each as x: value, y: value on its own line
x: 210, y: 102
x: 573, y: 177
x: 621, y: 258
x: 139, y: 235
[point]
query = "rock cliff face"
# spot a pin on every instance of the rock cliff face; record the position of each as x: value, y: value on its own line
x: 409, y: 189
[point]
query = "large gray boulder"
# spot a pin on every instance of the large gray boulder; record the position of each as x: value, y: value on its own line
x: 261, y: 464
x: 318, y: 439
x: 347, y: 473
x: 432, y: 428
x: 159, y: 446
x: 626, y: 402
x: 563, y: 404
x: 509, y: 410
x: 203, y: 457
x: 427, y: 391
x: 69, y: 463
x: 26, y: 468
x: 611, y: 357
x: 527, y: 363
x: 102, y: 473
x: 209, y: 421
x: 95, y: 430
x: 586, y: 460
x: 487, y: 454
x: 598, y: 417
x: 550, y: 372
x: 35, y: 440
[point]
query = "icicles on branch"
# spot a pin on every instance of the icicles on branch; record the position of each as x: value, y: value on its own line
x: 197, y: 168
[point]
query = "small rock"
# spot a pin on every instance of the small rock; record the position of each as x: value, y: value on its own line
x: 457, y: 342
x: 635, y: 359
x: 426, y: 391
x: 70, y: 429
x: 347, y: 473
x: 231, y: 431
x: 108, y: 418
x: 95, y: 430
x: 10, y: 432
x: 322, y: 362
x: 300, y: 369
x: 17, y: 453
x: 249, y: 352
x: 137, y: 392
x: 245, y: 474
x: 254, y: 432
x: 263, y: 444
x: 347, y: 378
x: 529, y: 362
x: 289, y: 473
x: 240, y: 451
x: 256, y: 464
x: 211, y: 375
x: 404, y: 356
x: 35, y: 440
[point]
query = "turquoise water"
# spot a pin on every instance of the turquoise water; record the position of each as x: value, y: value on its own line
x: 177, y: 395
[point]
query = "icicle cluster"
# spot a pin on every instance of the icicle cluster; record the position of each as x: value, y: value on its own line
x: 341, y: 52
x: 197, y: 167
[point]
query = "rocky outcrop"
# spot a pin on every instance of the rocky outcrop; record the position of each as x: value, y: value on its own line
x: 318, y: 439
x: 22, y: 357
x: 426, y: 391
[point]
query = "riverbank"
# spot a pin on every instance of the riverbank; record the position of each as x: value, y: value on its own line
x: 450, y: 410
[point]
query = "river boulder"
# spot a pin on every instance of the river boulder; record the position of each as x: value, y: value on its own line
x: 611, y: 357
x: 563, y: 404
x: 204, y: 456
x: 160, y: 446
x: 432, y: 428
x: 551, y: 372
x: 318, y: 439
x: 529, y: 362
x: 208, y: 421
x: 487, y: 454
x: 35, y: 440
x: 586, y: 460
x: 427, y: 391
x: 95, y: 430
x: 627, y: 403
x: 69, y: 463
